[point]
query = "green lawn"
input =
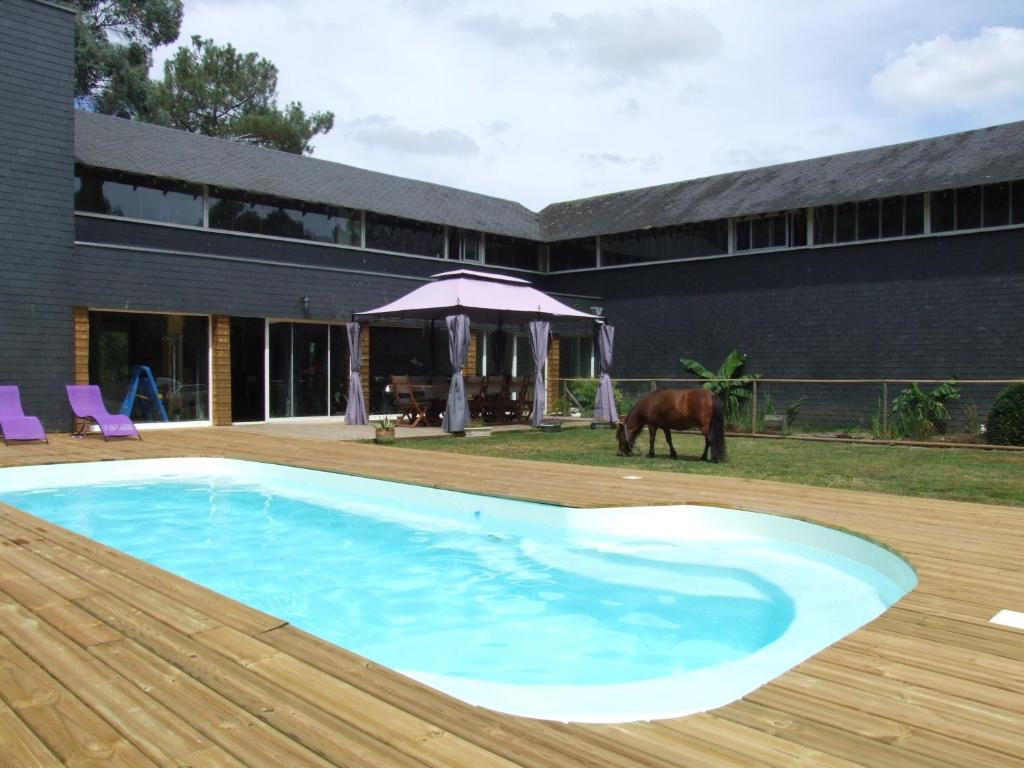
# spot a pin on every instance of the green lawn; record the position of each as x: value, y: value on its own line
x: 958, y: 474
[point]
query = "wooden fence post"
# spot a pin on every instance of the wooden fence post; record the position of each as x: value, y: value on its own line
x: 753, y: 411
x: 885, y: 409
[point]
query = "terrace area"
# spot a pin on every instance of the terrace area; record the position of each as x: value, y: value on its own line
x: 108, y: 661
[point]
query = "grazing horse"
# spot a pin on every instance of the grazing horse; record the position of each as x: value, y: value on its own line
x: 668, y: 409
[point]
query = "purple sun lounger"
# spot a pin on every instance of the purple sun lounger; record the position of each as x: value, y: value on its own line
x: 87, y: 404
x: 14, y: 424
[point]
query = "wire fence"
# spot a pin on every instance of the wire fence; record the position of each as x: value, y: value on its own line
x: 879, y: 408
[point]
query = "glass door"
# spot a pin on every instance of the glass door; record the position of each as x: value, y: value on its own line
x: 298, y: 358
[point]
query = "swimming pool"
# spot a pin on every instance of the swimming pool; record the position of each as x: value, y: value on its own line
x: 603, y: 615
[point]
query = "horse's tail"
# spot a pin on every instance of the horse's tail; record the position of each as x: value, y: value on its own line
x: 717, y: 431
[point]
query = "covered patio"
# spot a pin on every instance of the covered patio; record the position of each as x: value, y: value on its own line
x: 466, y: 299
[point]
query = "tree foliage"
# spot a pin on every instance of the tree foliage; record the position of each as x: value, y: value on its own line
x: 732, y: 386
x: 217, y: 91
x: 918, y: 415
x: 114, y: 42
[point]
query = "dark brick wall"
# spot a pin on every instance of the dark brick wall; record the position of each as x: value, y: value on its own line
x: 923, y: 308
x: 36, y: 219
x: 104, y: 230
x: 137, y: 280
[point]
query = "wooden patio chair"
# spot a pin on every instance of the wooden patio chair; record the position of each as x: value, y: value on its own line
x: 476, y: 386
x: 524, y: 399
x: 499, y: 406
x: 406, y: 402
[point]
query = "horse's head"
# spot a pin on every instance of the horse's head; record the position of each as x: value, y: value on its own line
x: 625, y: 444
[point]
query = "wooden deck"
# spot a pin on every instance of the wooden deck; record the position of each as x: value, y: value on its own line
x: 105, y: 660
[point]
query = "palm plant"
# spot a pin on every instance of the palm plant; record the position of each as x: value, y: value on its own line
x: 732, y: 386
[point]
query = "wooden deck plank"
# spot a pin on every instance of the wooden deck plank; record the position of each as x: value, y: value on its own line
x: 20, y: 746
x: 319, y: 731
x: 755, y: 743
x: 529, y: 742
x: 246, y: 737
x: 164, y: 738
x: 70, y: 729
x: 930, y: 683
x: 840, y: 710
x: 409, y: 734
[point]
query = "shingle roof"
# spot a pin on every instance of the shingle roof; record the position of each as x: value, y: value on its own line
x: 981, y: 156
x: 135, y: 147
x: 963, y: 159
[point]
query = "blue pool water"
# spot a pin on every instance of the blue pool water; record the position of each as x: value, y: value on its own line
x: 471, y: 593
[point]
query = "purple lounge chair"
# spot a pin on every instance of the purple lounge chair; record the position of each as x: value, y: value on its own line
x: 14, y: 424
x: 87, y: 404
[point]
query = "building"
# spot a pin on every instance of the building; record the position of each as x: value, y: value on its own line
x: 229, y: 269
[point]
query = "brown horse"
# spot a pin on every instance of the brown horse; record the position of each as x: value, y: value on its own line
x: 668, y: 409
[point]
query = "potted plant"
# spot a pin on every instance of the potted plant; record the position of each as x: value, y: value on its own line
x: 385, y: 431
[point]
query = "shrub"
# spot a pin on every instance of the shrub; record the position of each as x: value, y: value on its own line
x: 584, y: 391
x: 1006, y: 419
x: 918, y: 415
x: 732, y: 386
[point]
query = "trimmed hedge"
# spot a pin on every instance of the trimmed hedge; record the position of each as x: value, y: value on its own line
x: 1005, y: 424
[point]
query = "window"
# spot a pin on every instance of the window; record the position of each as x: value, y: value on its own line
x: 576, y: 357
x: 913, y: 217
x: 996, y: 205
x: 867, y: 220
x: 463, y: 244
x: 502, y: 251
x: 573, y: 254
x: 1017, y: 202
x: 968, y: 208
x: 265, y: 215
x: 137, y: 197
x: 846, y: 222
x: 943, y: 211
x: 824, y: 225
x: 892, y: 217
x: 798, y: 228
x: 686, y: 241
x: 391, y: 233
x: 128, y: 347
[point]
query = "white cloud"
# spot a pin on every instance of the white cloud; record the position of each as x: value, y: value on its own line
x: 627, y: 46
x: 646, y: 163
x: 943, y: 72
x: 518, y: 110
x: 378, y: 131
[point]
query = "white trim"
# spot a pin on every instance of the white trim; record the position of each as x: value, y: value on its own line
x: 145, y: 426
x: 209, y: 365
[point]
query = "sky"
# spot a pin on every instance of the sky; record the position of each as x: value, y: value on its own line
x: 545, y: 101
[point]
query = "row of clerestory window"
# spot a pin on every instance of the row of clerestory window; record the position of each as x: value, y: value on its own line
x: 146, y: 198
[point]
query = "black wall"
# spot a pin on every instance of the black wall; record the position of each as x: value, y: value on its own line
x: 928, y: 307
x: 36, y: 219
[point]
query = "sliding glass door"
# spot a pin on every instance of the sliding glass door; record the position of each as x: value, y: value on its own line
x: 305, y: 376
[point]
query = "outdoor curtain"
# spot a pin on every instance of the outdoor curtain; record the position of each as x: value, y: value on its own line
x: 539, y: 342
x: 456, y: 412
x: 604, y: 406
x: 355, y: 411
